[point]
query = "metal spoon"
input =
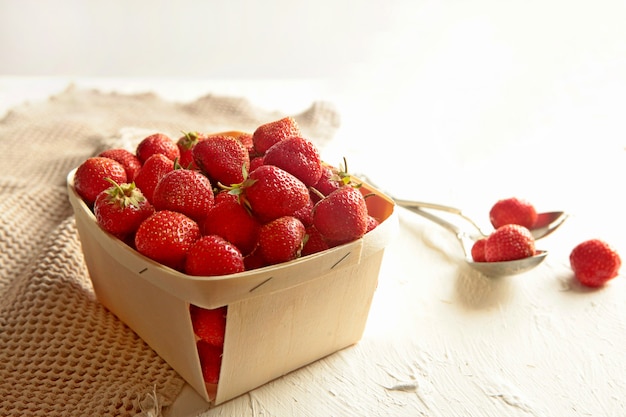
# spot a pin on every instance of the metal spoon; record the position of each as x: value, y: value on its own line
x: 546, y: 222
x: 492, y: 269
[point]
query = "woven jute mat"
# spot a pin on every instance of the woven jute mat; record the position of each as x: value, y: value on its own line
x: 61, y: 352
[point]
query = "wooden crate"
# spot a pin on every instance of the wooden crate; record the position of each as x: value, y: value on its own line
x: 279, y: 319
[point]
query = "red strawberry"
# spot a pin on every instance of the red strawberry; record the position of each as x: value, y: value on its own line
x: 121, y: 208
x: 314, y: 242
x: 513, y: 211
x: 341, y: 216
x: 281, y: 240
x: 372, y: 223
x: 256, y: 162
x: 151, y: 173
x: 157, y: 143
x: 209, y: 324
x: 230, y: 220
x: 166, y: 237
x: 222, y: 158
x: 185, y: 146
x: 329, y: 181
x: 478, y: 250
x: 508, y: 243
x: 246, y: 140
x: 298, y: 156
x: 273, y: 193
x: 268, y: 134
x: 129, y: 161
x: 90, y: 178
x: 212, y: 255
x: 594, y: 262
x: 305, y: 214
x: 185, y: 191
x: 254, y: 260
x: 210, y: 361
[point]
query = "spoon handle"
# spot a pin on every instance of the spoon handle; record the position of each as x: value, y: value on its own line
x: 410, y: 204
x: 464, y: 239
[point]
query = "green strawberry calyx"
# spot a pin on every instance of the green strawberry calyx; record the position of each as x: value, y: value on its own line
x: 239, y: 188
x: 124, y: 195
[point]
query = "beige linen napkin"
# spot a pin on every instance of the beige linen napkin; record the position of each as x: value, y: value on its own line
x: 62, y: 353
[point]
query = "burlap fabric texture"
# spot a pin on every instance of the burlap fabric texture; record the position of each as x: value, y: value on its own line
x: 61, y: 352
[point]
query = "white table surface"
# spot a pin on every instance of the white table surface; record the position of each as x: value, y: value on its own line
x: 465, y: 108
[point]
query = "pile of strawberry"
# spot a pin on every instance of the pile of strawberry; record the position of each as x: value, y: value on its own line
x: 594, y: 262
x: 224, y: 203
x: 220, y: 204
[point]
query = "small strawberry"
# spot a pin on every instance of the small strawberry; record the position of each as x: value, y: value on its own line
x: 246, y: 140
x: 121, y: 208
x: 331, y: 179
x: 341, y: 216
x: 305, y: 214
x: 151, y: 173
x: 185, y: 191
x: 256, y: 162
x: 223, y: 158
x: 90, y: 178
x: 268, y: 134
x: 212, y: 255
x: 230, y: 220
x: 281, y: 240
x: 372, y: 223
x: 594, y: 262
x: 508, y: 243
x: 314, y: 242
x: 254, y: 260
x: 298, y: 156
x: 129, y: 161
x: 209, y: 324
x: 513, y: 211
x: 157, y: 143
x: 185, y: 146
x: 166, y: 237
x: 210, y: 361
x: 272, y: 193
x: 478, y: 250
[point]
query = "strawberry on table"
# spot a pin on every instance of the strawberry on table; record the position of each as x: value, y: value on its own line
x: 213, y: 255
x: 166, y: 237
x: 151, y: 173
x: 129, y: 160
x: 270, y: 133
x: 594, y: 262
x: 223, y: 158
x: 90, y: 178
x: 157, y: 143
x: 298, y: 156
x: 341, y: 216
x: 121, y: 208
x: 281, y: 240
x: 513, y: 211
x: 508, y: 243
x: 209, y: 324
x: 185, y: 191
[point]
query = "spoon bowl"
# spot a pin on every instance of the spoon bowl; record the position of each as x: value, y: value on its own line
x: 491, y: 269
x: 505, y: 268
